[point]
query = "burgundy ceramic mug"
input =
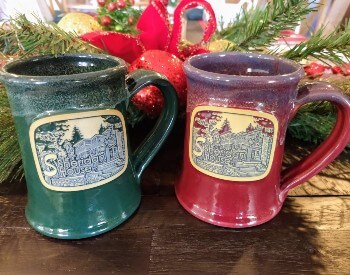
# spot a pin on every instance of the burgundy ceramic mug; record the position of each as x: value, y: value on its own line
x: 238, y: 109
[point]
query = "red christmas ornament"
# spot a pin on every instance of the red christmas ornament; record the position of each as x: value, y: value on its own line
x: 101, y: 2
x: 149, y: 100
x: 166, y: 64
x: 112, y: 6
x: 106, y: 20
x: 121, y: 4
x: 314, y: 69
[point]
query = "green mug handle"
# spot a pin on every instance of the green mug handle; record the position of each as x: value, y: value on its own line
x: 136, y: 81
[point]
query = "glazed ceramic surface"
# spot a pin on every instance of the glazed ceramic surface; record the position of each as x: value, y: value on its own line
x: 239, y: 106
x: 70, y: 117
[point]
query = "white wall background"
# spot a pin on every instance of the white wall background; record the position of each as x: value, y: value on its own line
x: 9, y: 8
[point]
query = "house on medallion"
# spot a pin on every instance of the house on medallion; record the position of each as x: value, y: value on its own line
x: 81, y: 161
x: 246, y: 153
x: 110, y: 144
x: 252, y: 146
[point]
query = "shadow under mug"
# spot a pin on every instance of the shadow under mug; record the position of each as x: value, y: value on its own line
x: 238, y: 109
x: 70, y: 117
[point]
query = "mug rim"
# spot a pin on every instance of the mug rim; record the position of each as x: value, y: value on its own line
x: 295, y: 75
x: 8, y: 77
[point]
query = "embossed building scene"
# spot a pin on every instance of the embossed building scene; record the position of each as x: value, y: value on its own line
x: 80, y: 151
x: 233, y: 145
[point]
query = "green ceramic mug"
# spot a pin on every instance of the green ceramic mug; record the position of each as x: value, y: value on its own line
x: 69, y: 114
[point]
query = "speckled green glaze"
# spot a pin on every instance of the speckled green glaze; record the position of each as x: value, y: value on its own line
x: 46, y: 87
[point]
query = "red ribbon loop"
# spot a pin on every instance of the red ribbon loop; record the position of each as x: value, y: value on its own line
x: 155, y: 33
x: 154, y: 27
x: 174, y: 45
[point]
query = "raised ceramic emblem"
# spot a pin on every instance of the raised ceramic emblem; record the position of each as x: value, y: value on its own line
x: 79, y: 151
x: 232, y: 144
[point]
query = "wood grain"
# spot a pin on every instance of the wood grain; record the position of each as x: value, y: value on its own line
x: 310, y: 235
x: 282, y: 251
x: 24, y: 251
x: 332, y: 180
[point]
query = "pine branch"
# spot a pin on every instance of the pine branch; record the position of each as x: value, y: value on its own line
x: 258, y: 28
x: 332, y: 47
x: 10, y: 156
x: 314, y: 121
x: 311, y: 127
x: 21, y: 37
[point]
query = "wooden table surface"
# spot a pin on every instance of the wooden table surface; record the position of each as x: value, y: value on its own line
x: 311, y: 235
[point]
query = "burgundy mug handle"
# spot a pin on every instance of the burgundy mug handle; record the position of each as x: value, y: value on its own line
x: 333, y: 145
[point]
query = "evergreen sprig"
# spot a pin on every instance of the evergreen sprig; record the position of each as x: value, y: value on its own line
x: 10, y: 156
x: 311, y: 126
x: 314, y: 121
x: 256, y: 29
x: 330, y: 48
x: 21, y: 37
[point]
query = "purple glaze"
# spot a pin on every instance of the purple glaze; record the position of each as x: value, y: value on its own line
x: 272, y: 91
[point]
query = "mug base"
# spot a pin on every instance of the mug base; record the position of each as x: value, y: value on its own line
x: 226, y: 221
x: 74, y: 234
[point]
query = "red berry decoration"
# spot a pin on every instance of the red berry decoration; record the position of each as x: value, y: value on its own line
x: 121, y: 4
x: 314, y: 69
x: 166, y: 64
x: 112, y: 6
x: 149, y: 100
x: 101, y: 2
x: 337, y: 70
x: 119, y: 11
x: 106, y: 20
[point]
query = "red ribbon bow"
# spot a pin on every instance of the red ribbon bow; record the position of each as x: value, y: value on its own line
x: 156, y: 33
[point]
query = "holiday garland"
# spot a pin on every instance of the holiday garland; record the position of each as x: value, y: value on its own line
x: 253, y: 30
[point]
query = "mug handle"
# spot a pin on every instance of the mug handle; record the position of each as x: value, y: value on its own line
x: 331, y: 147
x: 136, y: 81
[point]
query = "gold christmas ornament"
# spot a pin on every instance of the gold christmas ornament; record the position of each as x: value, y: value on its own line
x: 79, y: 23
x: 221, y: 45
